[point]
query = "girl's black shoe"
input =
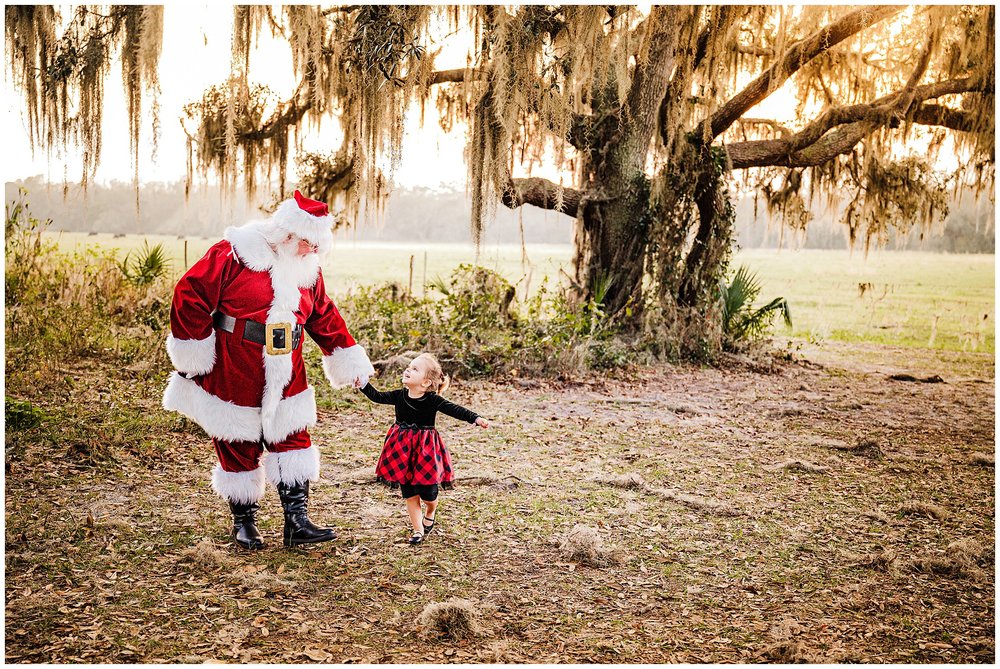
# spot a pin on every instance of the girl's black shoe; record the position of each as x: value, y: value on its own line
x: 417, y: 538
x: 427, y: 528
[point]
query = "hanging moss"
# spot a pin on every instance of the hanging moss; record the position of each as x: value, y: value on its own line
x: 62, y: 77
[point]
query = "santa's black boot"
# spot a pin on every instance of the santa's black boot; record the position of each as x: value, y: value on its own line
x: 245, y: 531
x: 298, y: 528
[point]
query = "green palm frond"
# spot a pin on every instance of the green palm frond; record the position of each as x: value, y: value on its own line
x: 738, y: 295
x: 602, y: 284
x: 440, y: 285
x: 148, y: 264
x: 740, y: 321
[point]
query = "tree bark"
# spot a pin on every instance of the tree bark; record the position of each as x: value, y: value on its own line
x: 542, y: 193
x: 710, y: 248
x: 945, y: 117
x: 610, y: 246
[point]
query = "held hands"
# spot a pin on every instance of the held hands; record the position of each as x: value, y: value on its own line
x: 482, y: 422
x: 360, y: 381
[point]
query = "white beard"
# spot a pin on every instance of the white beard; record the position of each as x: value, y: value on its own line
x: 300, y: 271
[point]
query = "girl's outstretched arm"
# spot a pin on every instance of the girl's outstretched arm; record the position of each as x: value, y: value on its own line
x: 378, y: 396
x: 456, y: 411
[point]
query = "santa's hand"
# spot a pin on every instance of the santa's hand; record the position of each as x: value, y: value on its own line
x: 482, y: 422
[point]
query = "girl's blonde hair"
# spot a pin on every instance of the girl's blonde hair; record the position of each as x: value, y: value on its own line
x: 439, y: 380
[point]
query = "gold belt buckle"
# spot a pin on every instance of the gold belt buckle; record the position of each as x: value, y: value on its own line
x: 270, y: 330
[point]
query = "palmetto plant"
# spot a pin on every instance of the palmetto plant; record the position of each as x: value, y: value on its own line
x: 740, y: 321
x: 602, y: 283
x: 146, y: 266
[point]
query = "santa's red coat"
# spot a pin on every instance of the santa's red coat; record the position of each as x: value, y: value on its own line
x: 232, y: 387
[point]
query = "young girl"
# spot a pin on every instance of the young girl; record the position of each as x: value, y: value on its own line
x: 414, y: 458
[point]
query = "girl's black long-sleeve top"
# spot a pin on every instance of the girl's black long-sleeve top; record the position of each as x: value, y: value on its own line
x: 419, y: 411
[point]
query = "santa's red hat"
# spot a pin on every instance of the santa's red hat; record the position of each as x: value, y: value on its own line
x: 307, y: 219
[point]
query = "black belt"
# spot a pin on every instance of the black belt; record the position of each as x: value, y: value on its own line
x: 274, y: 336
x: 412, y: 426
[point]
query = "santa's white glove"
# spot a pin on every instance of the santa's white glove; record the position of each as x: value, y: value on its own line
x: 361, y: 381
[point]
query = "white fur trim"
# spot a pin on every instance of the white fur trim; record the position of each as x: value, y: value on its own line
x: 249, y: 241
x: 278, y: 368
x: 345, y: 364
x: 239, y: 487
x: 219, y: 418
x: 192, y: 356
x: 316, y: 229
x: 293, y: 414
x: 292, y: 467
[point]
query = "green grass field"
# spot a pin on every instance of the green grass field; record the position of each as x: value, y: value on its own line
x: 909, y: 298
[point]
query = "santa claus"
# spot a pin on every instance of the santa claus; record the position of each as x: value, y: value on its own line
x: 236, y: 330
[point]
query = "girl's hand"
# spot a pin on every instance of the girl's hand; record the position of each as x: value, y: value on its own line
x: 360, y: 382
x: 482, y: 422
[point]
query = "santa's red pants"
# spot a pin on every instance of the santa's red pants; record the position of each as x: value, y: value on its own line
x: 239, y: 476
x: 244, y: 456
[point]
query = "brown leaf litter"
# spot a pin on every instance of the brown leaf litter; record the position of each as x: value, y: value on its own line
x: 866, y: 447
x: 634, y: 481
x: 789, y: 652
x: 964, y: 558
x: 982, y: 459
x: 207, y: 554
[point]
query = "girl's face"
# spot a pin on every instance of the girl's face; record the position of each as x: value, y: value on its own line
x: 415, y: 376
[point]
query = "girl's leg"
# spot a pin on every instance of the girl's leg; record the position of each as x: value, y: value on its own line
x: 431, y: 508
x: 413, y: 510
x: 430, y: 498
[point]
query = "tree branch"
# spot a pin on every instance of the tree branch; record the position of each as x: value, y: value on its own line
x: 651, y: 78
x: 341, y: 9
x: 753, y: 50
x: 726, y: 15
x: 542, y: 193
x: 457, y: 75
x: 287, y: 114
x: 812, y: 143
x: 798, y: 55
x: 906, y: 96
x: 945, y: 117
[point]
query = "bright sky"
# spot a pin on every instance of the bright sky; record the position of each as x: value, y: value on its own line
x: 195, y: 56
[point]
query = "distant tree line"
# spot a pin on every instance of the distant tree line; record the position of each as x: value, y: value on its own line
x: 420, y: 214
x: 425, y: 215
x: 969, y: 227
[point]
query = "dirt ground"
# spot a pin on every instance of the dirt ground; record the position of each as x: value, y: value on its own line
x: 814, y: 511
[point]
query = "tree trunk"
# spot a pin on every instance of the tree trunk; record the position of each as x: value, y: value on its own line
x: 610, y: 247
x: 613, y: 220
x: 709, y: 254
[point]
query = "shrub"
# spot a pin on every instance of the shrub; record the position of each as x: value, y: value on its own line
x: 478, y: 327
x: 146, y: 266
x: 20, y: 416
x: 64, y: 306
x: 741, y: 323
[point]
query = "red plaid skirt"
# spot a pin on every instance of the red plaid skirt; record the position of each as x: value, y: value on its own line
x: 414, y: 455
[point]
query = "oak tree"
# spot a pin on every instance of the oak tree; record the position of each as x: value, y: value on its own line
x: 651, y: 116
